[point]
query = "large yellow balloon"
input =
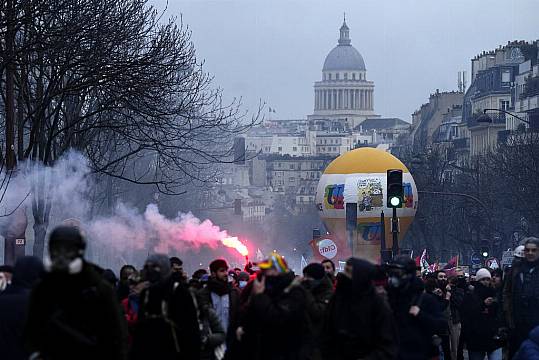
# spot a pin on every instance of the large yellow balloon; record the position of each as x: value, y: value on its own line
x: 359, y: 176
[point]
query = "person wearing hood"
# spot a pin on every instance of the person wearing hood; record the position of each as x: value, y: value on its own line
x: 417, y: 316
x: 529, y: 350
x: 13, y: 307
x: 525, y: 294
x: 480, y: 321
x: 360, y: 324
x: 167, y: 327
x: 73, y: 312
x: 319, y: 292
x: 276, y: 324
x: 220, y: 295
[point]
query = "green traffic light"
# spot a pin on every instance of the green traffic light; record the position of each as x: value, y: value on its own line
x: 395, y: 201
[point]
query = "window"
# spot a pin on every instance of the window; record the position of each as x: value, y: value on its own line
x: 506, y: 76
x: 291, y: 166
x: 337, y: 76
x: 291, y: 179
x: 504, y: 105
x: 353, y: 76
x: 365, y: 141
x: 280, y: 148
x: 345, y: 76
x: 329, y: 76
x: 294, y: 149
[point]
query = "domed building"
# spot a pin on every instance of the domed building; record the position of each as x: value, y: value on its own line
x: 344, y: 94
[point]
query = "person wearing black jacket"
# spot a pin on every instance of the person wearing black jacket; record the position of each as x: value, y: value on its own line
x: 73, y: 311
x: 417, y: 315
x: 480, y: 319
x: 319, y: 292
x: 167, y: 327
x: 276, y: 325
x: 360, y: 324
x: 13, y: 307
x: 458, y: 286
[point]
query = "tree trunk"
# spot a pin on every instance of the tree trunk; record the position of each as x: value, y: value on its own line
x: 10, y: 87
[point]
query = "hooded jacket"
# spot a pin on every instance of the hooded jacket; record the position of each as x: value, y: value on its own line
x: 359, y: 323
x: 13, y: 307
x: 415, y: 332
x: 75, y: 316
x: 276, y: 323
x: 529, y: 350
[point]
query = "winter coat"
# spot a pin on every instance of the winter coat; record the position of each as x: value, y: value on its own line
x: 276, y: 324
x: 415, y: 332
x: 13, y: 307
x: 480, y: 323
x: 359, y: 323
x: 213, y: 334
x: 529, y: 350
x: 167, y: 327
x: 205, y: 300
x: 319, y: 294
x: 75, y: 317
x: 455, y: 303
x: 526, y: 296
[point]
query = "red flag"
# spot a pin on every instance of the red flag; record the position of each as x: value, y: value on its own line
x: 418, y: 261
x: 452, y: 263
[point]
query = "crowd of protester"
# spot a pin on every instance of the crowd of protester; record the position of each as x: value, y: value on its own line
x: 69, y: 308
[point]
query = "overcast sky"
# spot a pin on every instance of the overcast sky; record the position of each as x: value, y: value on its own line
x: 274, y: 50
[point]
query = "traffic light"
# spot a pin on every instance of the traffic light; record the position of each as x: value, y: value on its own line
x: 485, y: 249
x: 395, y: 191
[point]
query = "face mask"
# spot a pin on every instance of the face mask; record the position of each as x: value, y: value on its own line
x: 242, y: 284
x: 461, y: 282
x: 153, y: 276
x: 394, y: 282
x: 442, y: 283
x: 62, y: 264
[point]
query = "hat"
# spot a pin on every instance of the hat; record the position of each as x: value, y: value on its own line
x: 275, y: 261
x: 314, y: 270
x: 519, y: 251
x: 215, y: 265
x: 68, y: 237
x: 175, y: 261
x: 482, y: 274
x: 243, y: 276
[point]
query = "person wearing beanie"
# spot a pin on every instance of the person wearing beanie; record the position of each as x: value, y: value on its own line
x: 480, y: 321
x: 167, y: 326
x: 222, y: 297
x: 73, y: 312
x: 525, y: 294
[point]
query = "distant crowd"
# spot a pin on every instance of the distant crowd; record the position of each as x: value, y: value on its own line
x: 69, y: 308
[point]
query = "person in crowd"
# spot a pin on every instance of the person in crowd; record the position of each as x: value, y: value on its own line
x: 529, y: 350
x: 360, y: 324
x: 123, y: 287
x: 510, y: 273
x: 13, y: 307
x: 243, y: 280
x: 457, y: 285
x: 195, y: 281
x: 73, y: 312
x: 176, y: 271
x: 222, y: 297
x: 276, y: 324
x: 319, y: 290
x: 525, y: 294
x: 443, y: 292
x: 379, y: 281
x: 167, y: 326
x: 110, y: 277
x: 131, y: 304
x: 416, y: 315
x: 331, y: 271
x: 212, y: 333
x: 480, y: 320
x: 6, y: 272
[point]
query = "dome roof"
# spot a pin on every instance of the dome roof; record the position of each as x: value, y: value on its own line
x: 344, y: 57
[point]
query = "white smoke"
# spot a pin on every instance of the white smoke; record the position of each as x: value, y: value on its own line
x: 127, y: 236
